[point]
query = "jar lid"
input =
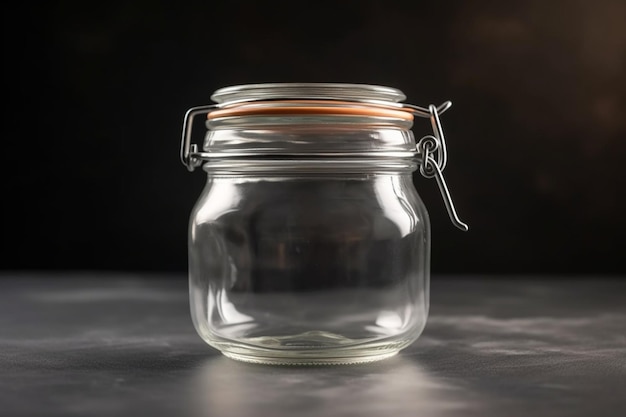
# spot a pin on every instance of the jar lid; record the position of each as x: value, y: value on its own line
x: 310, y: 99
x: 312, y: 91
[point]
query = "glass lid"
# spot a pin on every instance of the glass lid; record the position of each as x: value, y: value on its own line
x: 314, y: 91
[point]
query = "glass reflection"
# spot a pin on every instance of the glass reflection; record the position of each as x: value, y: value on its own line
x: 395, y: 387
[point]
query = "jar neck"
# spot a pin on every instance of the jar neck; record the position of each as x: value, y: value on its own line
x: 354, y: 140
x: 295, y: 167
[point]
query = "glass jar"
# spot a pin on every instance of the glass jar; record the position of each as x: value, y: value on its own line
x: 309, y: 243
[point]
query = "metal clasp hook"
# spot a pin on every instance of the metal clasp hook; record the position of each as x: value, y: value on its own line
x: 188, y: 151
x: 434, y: 146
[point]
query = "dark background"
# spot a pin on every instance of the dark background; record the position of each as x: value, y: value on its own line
x: 94, y: 95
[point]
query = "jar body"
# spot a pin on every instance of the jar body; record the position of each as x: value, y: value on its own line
x: 309, y: 267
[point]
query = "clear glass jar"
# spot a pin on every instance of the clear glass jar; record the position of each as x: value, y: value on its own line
x: 309, y: 243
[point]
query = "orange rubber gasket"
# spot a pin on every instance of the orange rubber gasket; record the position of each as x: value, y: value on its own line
x: 309, y: 107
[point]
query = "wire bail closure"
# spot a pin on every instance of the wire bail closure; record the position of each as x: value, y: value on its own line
x: 430, y: 153
x: 431, y: 146
x: 189, y: 155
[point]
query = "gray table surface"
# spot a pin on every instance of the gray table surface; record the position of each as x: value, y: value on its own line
x: 123, y: 345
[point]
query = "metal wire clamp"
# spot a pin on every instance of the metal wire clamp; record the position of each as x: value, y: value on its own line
x: 430, y: 152
x: 433, y: 157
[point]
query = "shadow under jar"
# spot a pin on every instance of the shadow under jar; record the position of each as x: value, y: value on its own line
x: 309, y: 243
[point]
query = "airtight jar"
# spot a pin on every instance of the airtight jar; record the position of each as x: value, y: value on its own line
x: 309, y: 243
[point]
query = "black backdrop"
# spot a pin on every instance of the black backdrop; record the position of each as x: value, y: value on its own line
x: 94, y: 94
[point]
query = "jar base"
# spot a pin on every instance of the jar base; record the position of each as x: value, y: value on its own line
x: 309, y: 348
x: 309, y: 361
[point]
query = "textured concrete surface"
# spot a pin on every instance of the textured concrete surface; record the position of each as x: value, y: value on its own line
x: 122, y: 345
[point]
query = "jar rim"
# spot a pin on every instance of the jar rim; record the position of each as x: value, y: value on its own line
x: 311, y: 108
x: 307, y: 91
